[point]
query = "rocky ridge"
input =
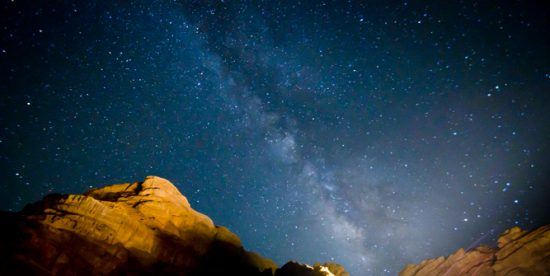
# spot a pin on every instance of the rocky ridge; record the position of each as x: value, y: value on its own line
x: 136, y: 228
x: 149, y: 227
x: 518, y: 252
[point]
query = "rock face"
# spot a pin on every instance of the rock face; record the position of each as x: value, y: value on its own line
x: 134, y: 228
x: 518, y: 253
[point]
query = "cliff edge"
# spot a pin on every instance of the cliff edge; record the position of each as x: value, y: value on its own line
x: 136, y: 228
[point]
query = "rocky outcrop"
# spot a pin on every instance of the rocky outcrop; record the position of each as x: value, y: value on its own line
x: 518, y: 253
x: 134, y: 228
x: 326, y: 269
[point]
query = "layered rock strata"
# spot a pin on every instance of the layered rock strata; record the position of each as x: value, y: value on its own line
x: 136, y: 228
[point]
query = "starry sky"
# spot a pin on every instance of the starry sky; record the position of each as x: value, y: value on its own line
x: 372, y: 134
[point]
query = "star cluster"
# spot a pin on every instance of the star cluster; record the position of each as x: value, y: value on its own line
x: 370, y: 134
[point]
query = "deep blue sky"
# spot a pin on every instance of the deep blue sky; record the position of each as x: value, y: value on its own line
x: 371, y: 134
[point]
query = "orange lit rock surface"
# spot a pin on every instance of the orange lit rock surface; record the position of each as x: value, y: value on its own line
x: 134, y: 228
x: 518, y: 253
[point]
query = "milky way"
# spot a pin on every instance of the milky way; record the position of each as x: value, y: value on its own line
x: 372, y: 135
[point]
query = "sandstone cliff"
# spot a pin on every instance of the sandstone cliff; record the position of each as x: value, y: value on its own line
x: 518, y: 253
x: 134, y: 228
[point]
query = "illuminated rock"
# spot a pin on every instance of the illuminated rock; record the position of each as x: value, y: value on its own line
x: 134, y: 228
x: 518, y: 253
x: 326, y: 269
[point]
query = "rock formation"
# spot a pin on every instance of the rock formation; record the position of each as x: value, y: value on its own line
x: 326, y: 269
x: 518, y: 253
x: 134, y: 228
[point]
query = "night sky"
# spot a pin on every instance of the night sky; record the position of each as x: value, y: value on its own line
x: 370, y: 134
